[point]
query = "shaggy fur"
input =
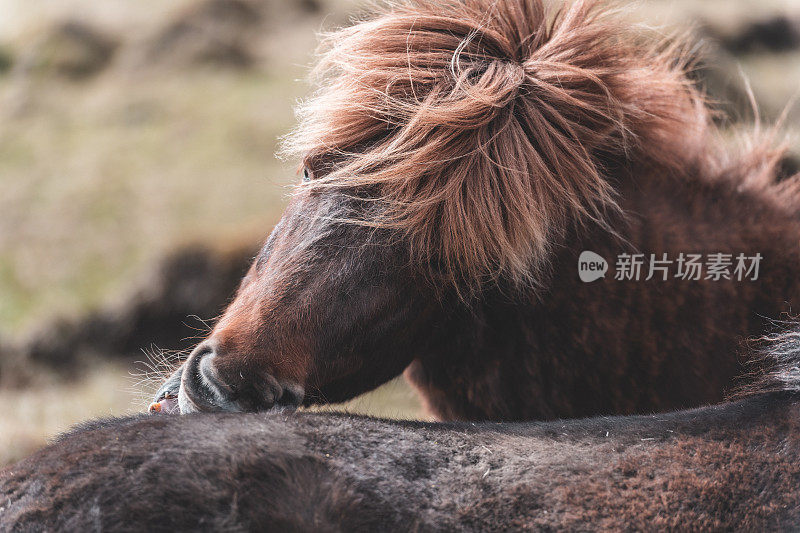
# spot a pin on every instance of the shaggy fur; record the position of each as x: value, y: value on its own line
x: 733, y: 466
x: 462, y: 155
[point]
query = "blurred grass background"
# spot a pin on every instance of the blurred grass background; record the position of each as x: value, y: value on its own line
x: 128, y: 129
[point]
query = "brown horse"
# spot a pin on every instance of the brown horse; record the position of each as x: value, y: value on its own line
x: 458, y: 159
x: 733, y: 466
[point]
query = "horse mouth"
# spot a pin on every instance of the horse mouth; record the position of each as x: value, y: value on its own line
x: 167, y: 404
x: 166, y: 398
x: 196, y: 386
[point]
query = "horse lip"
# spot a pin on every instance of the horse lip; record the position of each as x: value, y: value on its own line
x: 165, y: 397
x: 169, y: 389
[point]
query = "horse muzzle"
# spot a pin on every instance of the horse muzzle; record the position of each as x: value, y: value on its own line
x: 197, y: 386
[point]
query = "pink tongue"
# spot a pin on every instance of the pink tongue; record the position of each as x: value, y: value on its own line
x: 167, y: 406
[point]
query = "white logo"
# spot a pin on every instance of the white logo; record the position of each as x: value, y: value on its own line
x: 591, y: 266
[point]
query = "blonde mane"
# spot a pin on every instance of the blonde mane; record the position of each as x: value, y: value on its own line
x: 487, y: 127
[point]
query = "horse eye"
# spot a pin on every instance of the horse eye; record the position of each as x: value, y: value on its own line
x: 306, y: 174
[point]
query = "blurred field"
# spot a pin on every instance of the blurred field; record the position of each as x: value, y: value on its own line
x: 102, y: 173
x: 100, y: 176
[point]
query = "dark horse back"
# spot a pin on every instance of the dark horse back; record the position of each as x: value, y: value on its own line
x: 733, y: 466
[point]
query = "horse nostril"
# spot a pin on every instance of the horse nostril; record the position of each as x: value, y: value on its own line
x: 201, y: 387
x: 211, y: 377
x: 207, y: 347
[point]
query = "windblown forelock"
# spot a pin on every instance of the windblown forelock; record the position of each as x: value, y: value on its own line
x: 484, y: 125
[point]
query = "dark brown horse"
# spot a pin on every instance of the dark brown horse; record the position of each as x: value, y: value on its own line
x: 459, y: 157
x: 734, y: 466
